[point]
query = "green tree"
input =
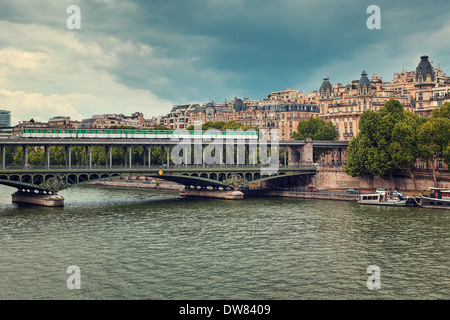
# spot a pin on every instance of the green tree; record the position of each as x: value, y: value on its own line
x: 36, y: 157
x: 316, y: 129
x: 387, y: 141
x: 224, y: 125
x: 403, y: 148
x: 446, y: 155
x: 161, y: 128
x: 18, y: 156
x: 57, y: 156
x: 433, y: 140
x: 442, y: 112
x: 122, y: 127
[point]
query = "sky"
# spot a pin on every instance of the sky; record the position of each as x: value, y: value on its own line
x: 146, y: 56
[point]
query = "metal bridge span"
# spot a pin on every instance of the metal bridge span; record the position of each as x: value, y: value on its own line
x: 48, y: 179
x: 53, y: 179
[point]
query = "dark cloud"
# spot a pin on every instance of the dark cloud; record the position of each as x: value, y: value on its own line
x: 204, y: 49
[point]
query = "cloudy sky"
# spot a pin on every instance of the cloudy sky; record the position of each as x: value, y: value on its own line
x: 146, y: 56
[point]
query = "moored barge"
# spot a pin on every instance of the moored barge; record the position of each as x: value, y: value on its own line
x: 439, y: 198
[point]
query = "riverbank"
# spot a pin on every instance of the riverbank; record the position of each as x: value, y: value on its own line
x: 340, y: 196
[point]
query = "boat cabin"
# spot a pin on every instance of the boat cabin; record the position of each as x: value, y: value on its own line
x: 374, y: 198
x: 439, y: 193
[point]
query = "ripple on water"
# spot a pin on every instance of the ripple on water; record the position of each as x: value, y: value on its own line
x: 152, y: 244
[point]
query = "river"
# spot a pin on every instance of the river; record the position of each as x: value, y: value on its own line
x: 153, y: 244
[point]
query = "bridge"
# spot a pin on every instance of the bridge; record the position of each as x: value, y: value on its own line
x: 53, y: 179
x: 49, y: 179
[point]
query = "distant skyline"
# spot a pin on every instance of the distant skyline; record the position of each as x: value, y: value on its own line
x: 149, y: 55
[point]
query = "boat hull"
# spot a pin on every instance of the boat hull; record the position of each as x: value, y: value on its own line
x: 392, y: 204
x: 434, y: 203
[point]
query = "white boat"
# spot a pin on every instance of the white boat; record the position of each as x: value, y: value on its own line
x: 382, y: 199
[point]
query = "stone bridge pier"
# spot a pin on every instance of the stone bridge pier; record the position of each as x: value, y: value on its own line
x: 301, y: 155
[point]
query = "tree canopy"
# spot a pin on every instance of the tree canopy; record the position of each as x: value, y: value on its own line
x: 387, y: 140
x: 392, y: 138
x: 224, y: 125
x: 316, y: 129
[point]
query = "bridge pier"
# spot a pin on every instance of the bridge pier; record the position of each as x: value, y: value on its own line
x: 40, y: 199
x: 301, y: 155
x: 217, y: 194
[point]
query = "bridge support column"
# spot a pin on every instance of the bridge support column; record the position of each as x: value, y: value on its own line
x: 144, y: 156
x: 149, y: 156
x: 110, y: 155
x: 187, y: 156
x: 168, y: 156
x: 301, y: 155
x: 240, y: 152
x: 90, y: 156
x: 252, y: 153
x: 25, y: 156
x: 47, y: 156
x: 69, y: 156
x: 294, y: 155
x: 3, y: 157
x: 307, y: 155
x: 130, y: 153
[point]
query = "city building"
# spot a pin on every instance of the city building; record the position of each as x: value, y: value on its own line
x: 32, y: 124
x: 61, y: 122
x: 419, y: 92
x: 5, y: 118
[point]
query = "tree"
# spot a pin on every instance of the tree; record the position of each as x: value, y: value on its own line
x: 433, y: 140
x: 122, y: 127
x: 316, y: 129
x: 403, y: 147
x: 446, y: 155
x: 387, y: 141
x: 442, y: 112
x: 224, y: 125
x: 160, y: 128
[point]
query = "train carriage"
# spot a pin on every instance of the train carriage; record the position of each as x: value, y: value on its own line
x: 135, y: 134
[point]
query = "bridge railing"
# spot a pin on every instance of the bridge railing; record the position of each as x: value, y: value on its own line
x: 152, y: 167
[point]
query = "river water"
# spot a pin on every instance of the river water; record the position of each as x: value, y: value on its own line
x: 152, y: 244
